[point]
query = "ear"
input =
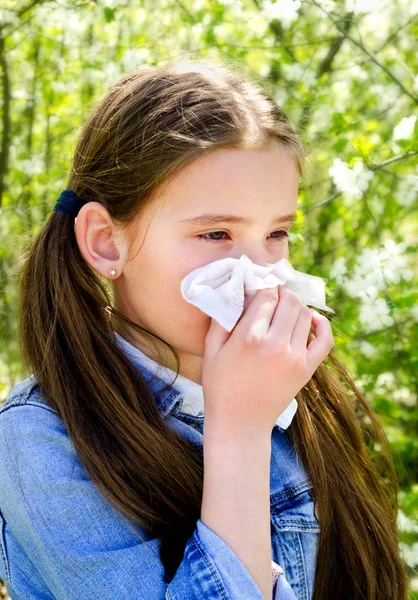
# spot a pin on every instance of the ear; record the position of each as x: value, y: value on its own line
x: 102, y: 244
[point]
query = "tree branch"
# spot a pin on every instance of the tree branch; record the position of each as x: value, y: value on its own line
x: 277, y: 30
x: 325, y: 67
x: 369, y: 54
x: 371, y: 168
x: 5, y: 139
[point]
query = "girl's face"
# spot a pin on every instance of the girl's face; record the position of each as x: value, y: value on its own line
x: 171, y: 241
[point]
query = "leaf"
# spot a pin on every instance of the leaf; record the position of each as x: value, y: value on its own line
x: 109, y: 14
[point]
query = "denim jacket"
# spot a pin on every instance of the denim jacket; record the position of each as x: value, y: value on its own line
x: 61, y: 539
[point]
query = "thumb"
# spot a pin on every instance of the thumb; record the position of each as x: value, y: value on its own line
x: 216, y: 337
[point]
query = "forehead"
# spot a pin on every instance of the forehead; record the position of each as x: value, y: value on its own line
x: 229, y: 178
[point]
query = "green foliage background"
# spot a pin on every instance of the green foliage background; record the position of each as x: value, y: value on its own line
x: 346, y: 75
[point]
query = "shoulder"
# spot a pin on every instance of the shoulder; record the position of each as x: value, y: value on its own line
x: 36, y: 450
x: 25, y: 392
x: 55, y: 516
x: 43, y: 478
x: 31, y: 430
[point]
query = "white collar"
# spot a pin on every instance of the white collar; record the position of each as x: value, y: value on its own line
x: 193, y: 402
x: 193, y: 399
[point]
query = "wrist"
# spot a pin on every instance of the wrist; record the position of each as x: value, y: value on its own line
x: 226, y: 432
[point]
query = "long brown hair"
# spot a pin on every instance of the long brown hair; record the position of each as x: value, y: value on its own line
x: 150, y: 124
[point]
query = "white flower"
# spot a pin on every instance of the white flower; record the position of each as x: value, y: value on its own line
x: 358, y: 6
x: 367, y: 274
x: 377, y: 204
x: 223, y: 32
x: 280, y: 96
x: 363, y: 178
x: 410, y: 553
x: 375, y: 269
x: 357, y: 72
x: 362, y: 382
x: 394, y: 263
x: 338, y: 270
x: 235, y: 5
x: 134, y: 58
x: 407, y: 192
x: 377, y: 22
x: 31, y: 166
x: 284, y: 10
x: 296, y: 72
x: 384, y: 382
x: 352, y: 182
x: 327, y: 5
x: 375, y: 315
x: 21, y: 94
x: 367, y: 349
x: 405, y: 396
x: 8, y: 17
x: 70, y: 21
x: 404, y: 129
x: 368, y: 260
x: 111, y: 73
x: 358, y: 285
x: 264, y: 70
x: 341, y: 93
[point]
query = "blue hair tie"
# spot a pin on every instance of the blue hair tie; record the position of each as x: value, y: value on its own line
x: 69, y: 202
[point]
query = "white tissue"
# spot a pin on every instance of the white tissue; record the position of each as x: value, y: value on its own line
x: 222, y: 288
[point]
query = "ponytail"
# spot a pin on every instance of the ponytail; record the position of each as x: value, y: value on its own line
x: 105, y: 403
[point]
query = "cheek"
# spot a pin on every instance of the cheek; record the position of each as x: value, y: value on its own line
x: 185, y: 327
x: 168, y: 314
x: 193, y: 324
x: 171, y: 317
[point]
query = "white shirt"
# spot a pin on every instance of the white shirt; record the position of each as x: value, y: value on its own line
x: 192, y: 392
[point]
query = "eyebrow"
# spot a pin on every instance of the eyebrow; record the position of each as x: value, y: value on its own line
x: 214, y: 219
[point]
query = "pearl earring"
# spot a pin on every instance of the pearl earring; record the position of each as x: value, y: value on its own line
x: 112, y: 272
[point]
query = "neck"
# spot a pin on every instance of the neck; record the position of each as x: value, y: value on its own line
x: 190, y: 365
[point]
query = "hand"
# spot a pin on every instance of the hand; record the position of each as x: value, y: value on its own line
x: 251, y: 374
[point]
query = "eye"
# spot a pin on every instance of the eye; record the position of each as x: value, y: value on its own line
x: 283, y: 234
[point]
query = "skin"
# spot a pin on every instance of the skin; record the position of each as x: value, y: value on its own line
x: 259, y: 185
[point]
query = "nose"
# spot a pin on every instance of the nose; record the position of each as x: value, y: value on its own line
x: 260, y: 256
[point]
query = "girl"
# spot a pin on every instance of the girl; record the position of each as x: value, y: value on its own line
x: 108, y: 487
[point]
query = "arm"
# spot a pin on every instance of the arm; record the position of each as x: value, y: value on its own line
x: 236, y: 496
x: 81, y: 545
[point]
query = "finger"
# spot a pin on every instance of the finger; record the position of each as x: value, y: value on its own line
x: 302, y: 328
x: 215, y: 338
x: 321, y: 345
x: 255, y: 322
x: 286, y: 315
